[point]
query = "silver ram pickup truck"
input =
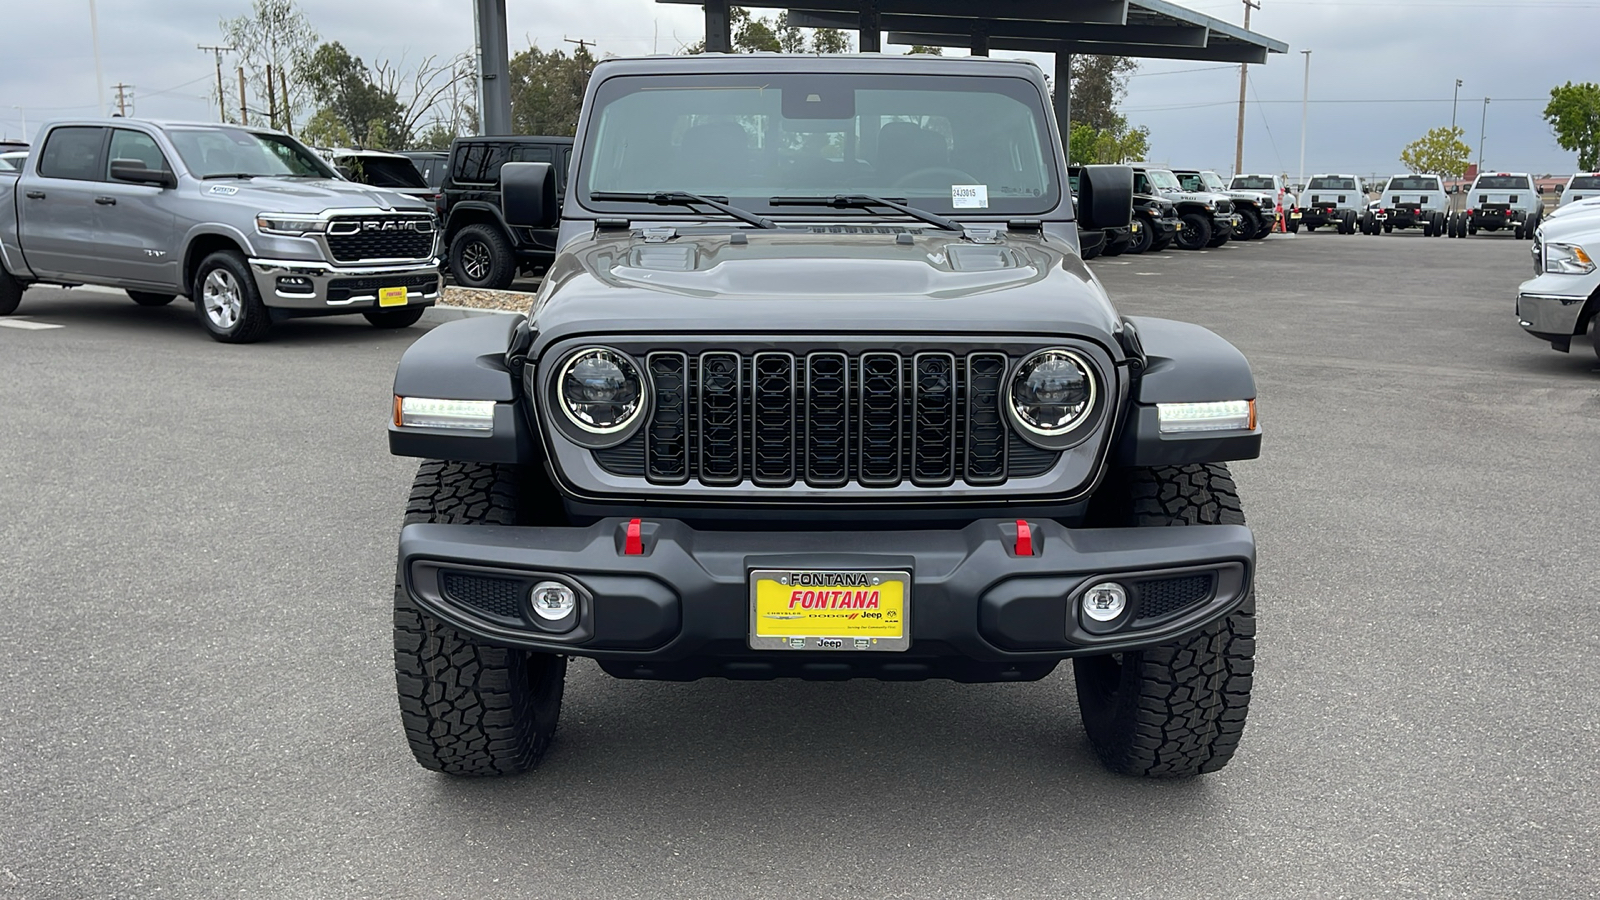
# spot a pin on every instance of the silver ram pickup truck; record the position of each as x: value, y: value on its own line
x: 248, y: 223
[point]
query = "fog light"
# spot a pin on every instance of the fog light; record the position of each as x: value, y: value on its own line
x: 553, y: 601
x: 1105, y: 601
x: 295, y: 284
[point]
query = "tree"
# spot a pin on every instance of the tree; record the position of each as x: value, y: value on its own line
x: 547, y: 90
x: 756, y: 34
x: 1098, y: 85
x: 924, y: 50
x: 433, y: 90
x: 1088, y: 145
x: 355, y: 109
x: 273, y: 34
x: 1439, y: 152
x: 1574, y: 116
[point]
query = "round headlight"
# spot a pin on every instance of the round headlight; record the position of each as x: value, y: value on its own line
x: 600, y: 390
x: 1052, y: 392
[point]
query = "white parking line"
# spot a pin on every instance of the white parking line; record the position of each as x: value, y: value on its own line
x: 26, y: 325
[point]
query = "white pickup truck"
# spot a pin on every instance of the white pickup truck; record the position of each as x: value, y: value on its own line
x: 248, y: 223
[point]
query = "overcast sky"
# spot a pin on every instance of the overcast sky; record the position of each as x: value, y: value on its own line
x: 1381, y: 72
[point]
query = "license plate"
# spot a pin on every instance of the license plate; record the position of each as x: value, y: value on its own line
x: 392, y: 296
x: 1294, y: 215
x: 829, y: 609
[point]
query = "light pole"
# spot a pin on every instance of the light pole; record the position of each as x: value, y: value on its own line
x: 1453, y: 101
x: 99, y: 76
x: 1305, y: 101
x: 1244, y: 70
x: 1483, y: 129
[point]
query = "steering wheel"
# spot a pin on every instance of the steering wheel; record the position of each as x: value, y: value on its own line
x: 910, y: 179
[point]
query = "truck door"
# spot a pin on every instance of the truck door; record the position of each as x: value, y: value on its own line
x: 135, y: 226
x: 57, y: 203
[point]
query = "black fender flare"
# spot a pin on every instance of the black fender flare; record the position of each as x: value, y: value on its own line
x: 1183, y: 363
x: 473, y: 210
x: 477, y: 358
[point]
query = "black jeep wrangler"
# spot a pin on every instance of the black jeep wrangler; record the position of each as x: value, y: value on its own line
x: 483, y: 250
x: 818, y: 386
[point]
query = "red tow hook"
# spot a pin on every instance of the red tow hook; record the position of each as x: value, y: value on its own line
x: 1024, y: 539
x: 633, y: 544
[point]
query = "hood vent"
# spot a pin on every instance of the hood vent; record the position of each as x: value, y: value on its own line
x: 860, y: 229
x: 665, y: 257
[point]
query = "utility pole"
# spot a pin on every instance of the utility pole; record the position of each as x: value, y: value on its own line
x: 1244, y: 70
x: 122, y: 98
x: 1483, y: 129
x: 288, y: 112
x: 272, y: 99
x: 244, y: 107
x: 1453, y: 101
x: 99, y: 74
x: 222, y: 98
x: 1305, y: 100
x: 582, y: 44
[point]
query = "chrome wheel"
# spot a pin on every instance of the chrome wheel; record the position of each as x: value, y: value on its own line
x: 223, y: 299
x: 475, y: 260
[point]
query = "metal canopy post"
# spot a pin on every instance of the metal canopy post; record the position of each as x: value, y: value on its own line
x: 1063, y: 100
x: 980, y: 39
x: 719, y: 27
x: 871, y: 28
x: 494, y: 67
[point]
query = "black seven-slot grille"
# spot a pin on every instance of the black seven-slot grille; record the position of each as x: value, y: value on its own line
x: 825, y: 419
x: 380, y: 237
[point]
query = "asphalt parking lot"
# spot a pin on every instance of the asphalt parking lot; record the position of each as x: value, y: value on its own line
x: 198, y: 702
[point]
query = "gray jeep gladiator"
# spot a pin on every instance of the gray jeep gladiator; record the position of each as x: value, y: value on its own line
x: 248, y: 223
x: 818, y: 386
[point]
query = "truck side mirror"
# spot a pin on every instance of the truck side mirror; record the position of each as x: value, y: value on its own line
x: 528, y: 194
x: 1105, y: 196
x: 134, y: 171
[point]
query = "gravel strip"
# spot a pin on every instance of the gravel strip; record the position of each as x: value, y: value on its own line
x: 476, y: 298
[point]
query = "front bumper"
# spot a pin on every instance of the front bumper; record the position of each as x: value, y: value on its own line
x: 1232, y: 222
x: 1553, y: 306
x: 330, y: 288
x: 680, y: 609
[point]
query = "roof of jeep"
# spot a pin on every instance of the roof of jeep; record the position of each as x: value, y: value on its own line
x: 509, y: 139
x: 842, y: 63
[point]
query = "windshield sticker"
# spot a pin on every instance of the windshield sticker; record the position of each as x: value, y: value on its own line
x: 224, y: 189
x: 969, y: 196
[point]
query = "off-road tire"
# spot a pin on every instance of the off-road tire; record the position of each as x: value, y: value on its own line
x: 145, y: 298
x: 1196, y: 232
x: 1160, y: 244
x: 499, y: 259
x: 1294, y: 226
x: 253, y: 319
x: 10, y: 293
x: 468, y: 708
x: 1264, y: 227
x: 394, y: 318
x: 1175, y: 710
x: 1146, y: 238
x: 1248, y: 227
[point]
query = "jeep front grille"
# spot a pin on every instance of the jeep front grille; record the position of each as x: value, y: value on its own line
x: 827, y: 419
x: 354, y: 239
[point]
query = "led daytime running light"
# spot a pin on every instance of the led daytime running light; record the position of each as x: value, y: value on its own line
x: 295, y: 226
x: 1222, y: 415
x: 458, y: 415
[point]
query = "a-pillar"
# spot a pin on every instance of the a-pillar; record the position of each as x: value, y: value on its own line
x: 719, y: 27
x: 1063, y: 98
x: 494, y: 68
x: 871, y: 40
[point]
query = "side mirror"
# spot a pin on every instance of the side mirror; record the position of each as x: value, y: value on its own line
x: 1105, y: 196
x: 528, y: 194
x: 132, y: 170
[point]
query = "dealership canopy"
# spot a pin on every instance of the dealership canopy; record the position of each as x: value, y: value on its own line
x: 1152, y: 29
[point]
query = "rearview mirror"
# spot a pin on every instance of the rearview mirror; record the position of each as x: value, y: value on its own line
x: 528, y: 194
x: 133, y: 170
x: 1105, y: 196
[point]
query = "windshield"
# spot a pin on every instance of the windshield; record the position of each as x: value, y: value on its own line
x: 1501, y: 183
x: 1331, y: 183
x: 1413, y: 183
x: 1253, y: 183
x: 1164, y: 180
x: 209, y: 152
x: 943, y: 144
x: 1212, y: 181
x: 1579, y: 182
x: 383, y: 171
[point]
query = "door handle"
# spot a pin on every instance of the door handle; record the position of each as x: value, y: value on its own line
x: 36, y: 195
x: 106, y: 201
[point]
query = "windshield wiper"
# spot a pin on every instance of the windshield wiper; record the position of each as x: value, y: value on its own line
x: 683, y: 198
x: 862, y: 201
x: 218, y: 175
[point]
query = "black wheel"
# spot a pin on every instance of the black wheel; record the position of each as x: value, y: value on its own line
x: 1146, y: 238
x: 1427, y: 228
x: 10, y: 293
x: 1439, y: 224
x: 1594, y: 335
x: 395, y: 318
x: 1294, y: 226
x: 1264, y: 227
x: 470, y: 708
x: 1248, y: 226
x: 1196, y: 233
x: 481, y: 257
x: 1347, y: 225
x: 1160, y: 244
x: 1175, y: 710
x: 1118, y: 246
x: 227, y: 302
x: 145, y: 298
